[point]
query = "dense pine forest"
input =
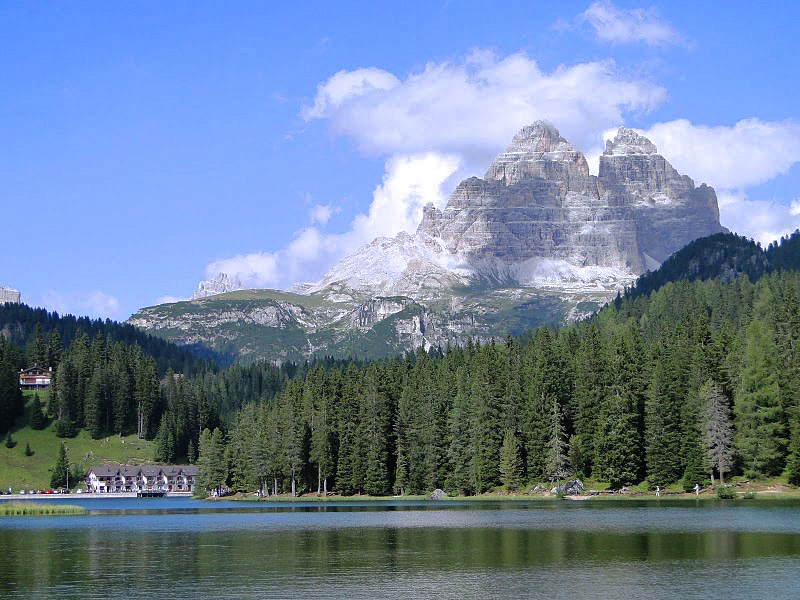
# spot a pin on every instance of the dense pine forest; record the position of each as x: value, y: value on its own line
x: 110, y: 378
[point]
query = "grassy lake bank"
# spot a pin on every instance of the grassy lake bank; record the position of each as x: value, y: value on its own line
x: 19, y: 509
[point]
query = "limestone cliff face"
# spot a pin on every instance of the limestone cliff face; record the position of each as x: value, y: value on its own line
x: 220, y: 284
x: 537, y: 202
x: 669, y: 210
x: 8, y: 294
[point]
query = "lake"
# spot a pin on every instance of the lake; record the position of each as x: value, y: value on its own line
x: 183, y: 548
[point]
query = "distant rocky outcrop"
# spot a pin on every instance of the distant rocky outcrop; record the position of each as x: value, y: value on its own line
x: 8, y: 294
x: 220, y: 284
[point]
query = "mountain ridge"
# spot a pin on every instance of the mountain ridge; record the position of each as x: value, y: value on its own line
x: 537, y: 240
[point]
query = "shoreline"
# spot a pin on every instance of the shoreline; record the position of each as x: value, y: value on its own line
x: 35, y: 497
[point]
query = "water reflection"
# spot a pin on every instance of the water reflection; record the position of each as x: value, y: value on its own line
x: 401, y: 551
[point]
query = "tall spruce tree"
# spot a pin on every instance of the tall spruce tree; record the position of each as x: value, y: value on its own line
x: 718, y: 430
x: 60, y: 475
x: 38, y: 420
x: 760, y: 431
x: 510, y: 465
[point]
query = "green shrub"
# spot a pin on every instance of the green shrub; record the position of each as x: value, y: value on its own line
x: 725, y: 492
x: 749, y: 495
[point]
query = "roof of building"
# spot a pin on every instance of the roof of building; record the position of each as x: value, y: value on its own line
x: 146, y: 470
x: 36, y: 371
x: 103, y: 471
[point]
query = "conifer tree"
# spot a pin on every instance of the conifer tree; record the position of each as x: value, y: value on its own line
x: 510, y: 466
x: 38, y: 420
x: 61, y: 469
x: 557, y: 466
x: 459, y: 452
x: 54, y: 350
x: 718, y: 430
x: 759, y: 423
x: 376, y: 414
x: 93, y: 405
x: 37, y: 351
x: 590, y: 382
x: 10, y: 443
x: 618, y: 443
x: 486, y: 440
x: 28, y: 451
x: 663, y: 431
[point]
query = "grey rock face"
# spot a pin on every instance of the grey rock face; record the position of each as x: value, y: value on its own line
x: 668, y: 209
x: 538, y: 201
x: 8, y: 294
x: 220, y: 284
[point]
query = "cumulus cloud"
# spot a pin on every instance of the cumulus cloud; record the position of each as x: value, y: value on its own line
x: 618, y: 26
x: 322, y: 213
x: 448, y: 120
x: 95, y: 304
x: 435, y: 127
x: 729, y: 157
x: 473, y: 107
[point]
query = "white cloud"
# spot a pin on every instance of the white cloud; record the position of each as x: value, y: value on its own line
x: 619, y: 26
x: 447, y: 121
x: 408, y: 184
x: 95, y: 304
x: 764, y: 221
x: 473, y: 107
x: 345, y: 85
x: 322, y: 213
x: 745, y: 154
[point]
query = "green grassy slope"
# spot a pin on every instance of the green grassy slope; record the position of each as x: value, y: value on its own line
x: 33, y: 472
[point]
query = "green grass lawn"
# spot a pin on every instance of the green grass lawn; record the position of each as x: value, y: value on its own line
x: 33, y: 472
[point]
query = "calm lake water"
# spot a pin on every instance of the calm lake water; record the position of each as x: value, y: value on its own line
x: 181, y: 548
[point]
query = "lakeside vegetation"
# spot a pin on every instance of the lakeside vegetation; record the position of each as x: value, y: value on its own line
x: 18, y: 509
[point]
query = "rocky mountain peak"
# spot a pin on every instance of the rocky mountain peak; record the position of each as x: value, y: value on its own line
x: 627, y: 141
x: 537, y: 150
x: 220, y: 284
x: 541, y: 136
x: 8, y: 294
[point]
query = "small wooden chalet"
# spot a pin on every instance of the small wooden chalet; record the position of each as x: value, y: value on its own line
x: 151, y: 478
x: 35, y: 378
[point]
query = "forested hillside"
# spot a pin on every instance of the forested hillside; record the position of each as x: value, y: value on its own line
x: 724, y: 256
x: 73, y: 347
x: 695, y: 380
x: 21, y: 324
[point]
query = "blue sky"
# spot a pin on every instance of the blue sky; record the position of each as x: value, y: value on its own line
x: 148, y: 148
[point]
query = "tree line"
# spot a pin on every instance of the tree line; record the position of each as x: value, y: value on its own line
x: 691, y: 383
